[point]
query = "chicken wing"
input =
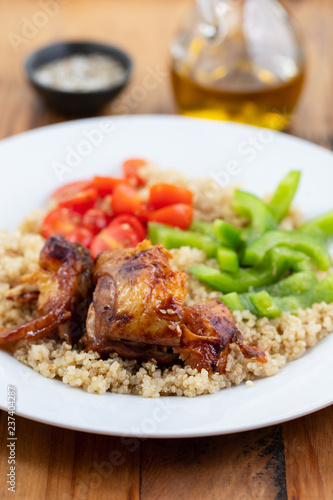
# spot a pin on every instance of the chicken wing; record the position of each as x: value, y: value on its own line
x: 138, y: 297
x: 138, y: 311
x: 208, y: 330
x: 63, y: 286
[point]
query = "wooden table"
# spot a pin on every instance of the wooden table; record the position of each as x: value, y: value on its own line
x: 293, y: 460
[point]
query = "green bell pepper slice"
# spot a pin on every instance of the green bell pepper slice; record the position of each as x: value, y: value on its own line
x: 321, y: 227
x: 238, y: 302
x: 276, y: 263
x: 294, y: 284
x: 314, y: 248
x: 284, y: 194
x: 206, y: 228
x: 228, y: 259
x: 227, y: 234
x: 233, y: 301
x: 228, y: 282
x: 171, y: 237
x: 322, y: 291
x: 265, y: 305
x: 253, y: 208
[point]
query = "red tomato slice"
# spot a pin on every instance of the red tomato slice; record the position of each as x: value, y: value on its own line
x: 179, y: 215
x: 79, y: 195
x: 106, y: 185
x: 162, y: 195
x: 131, y: 169
x: 131, y: 221
x: 114, y: 236
x: 60, y: 222
x: 70, y: 189
x: 95, y: 219
x: 80, y: 235
x: 81, y: 201
x: 126, y: 200
x: 103, y: 242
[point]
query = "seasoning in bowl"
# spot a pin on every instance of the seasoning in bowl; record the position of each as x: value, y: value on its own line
x: 81, y: 73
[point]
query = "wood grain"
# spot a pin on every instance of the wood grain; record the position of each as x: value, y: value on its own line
x: 242, y: 466
x: 309, y: 454
x: 59, y: 464
x: 292, y: 461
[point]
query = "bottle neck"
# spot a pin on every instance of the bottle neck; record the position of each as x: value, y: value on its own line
x: 216, y: 13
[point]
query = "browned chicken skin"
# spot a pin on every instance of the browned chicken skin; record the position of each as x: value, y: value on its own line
x: 63, y: 287
x: 209, y: 329
x: 138, y: 311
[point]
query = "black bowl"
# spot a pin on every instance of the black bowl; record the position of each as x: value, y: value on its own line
x: 76, y: 103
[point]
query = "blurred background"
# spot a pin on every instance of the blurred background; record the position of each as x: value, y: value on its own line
x: 145, y: 30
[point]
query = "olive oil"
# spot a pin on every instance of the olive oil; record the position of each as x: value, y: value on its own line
x: 244, y: 93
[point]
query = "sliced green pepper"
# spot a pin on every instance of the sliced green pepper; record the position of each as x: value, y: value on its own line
x: 284, y: 194
x: 321, y: 227
x: 277, y: 262
x: 265, y: 305
x: 227, y: 234
x: 228, y: 282
x: 233, y: 301
x: 171, y: 237
x: 239, y: 302
x: 206, y: 228
x: 321, y: 292
x: 227, y: 259
x: 252, y: 207
x: 315, y: 249
x: 293, y: 284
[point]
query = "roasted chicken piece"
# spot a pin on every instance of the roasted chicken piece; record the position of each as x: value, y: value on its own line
x: 62, y: 286
x: 138, y: 312
x: 138, y: 299
x: 208, y: 330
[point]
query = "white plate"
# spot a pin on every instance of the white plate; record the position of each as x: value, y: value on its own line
x: 28, y: 165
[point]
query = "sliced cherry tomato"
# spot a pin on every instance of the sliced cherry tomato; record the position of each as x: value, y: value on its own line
x: 60, y: 222
x: 131, y: 169
x: 179, y: 215
x: 95, y: 219
x: 81, y: 202
x: 69, y: 190
x: 163, y: 195
x: 106, y: 185
x: 80, y: 235
x: 131, y: 221
x: 114, y: 236
x: 126, y: 200
x: 80, y: 196
x: 103, y: 242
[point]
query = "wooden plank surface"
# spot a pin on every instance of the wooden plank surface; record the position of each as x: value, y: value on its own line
x: 242, y: 466
x: 291, y: 461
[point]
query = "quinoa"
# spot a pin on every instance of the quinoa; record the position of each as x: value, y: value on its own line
x: 19, y: 254
x: 284, y: 339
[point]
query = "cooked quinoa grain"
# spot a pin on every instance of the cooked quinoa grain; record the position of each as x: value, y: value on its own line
x: 285, y: 338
